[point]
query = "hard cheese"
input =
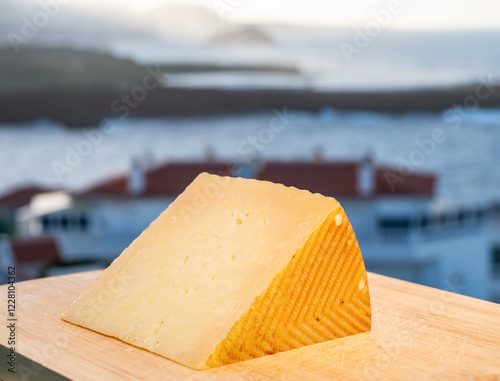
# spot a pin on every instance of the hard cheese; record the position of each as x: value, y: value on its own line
x: 233, y: 269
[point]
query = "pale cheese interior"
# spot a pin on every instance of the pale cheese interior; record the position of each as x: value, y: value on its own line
x: 180, y: 287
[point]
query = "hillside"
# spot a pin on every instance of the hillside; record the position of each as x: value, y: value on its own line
x: 35, y: 68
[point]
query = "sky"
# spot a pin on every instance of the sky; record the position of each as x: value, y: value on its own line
x: 405, y: 14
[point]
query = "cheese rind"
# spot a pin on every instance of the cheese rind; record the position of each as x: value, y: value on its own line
x: 207, y: 282
x: 321, y: 294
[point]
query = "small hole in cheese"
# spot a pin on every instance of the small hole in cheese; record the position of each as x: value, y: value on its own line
x: 361, y: 284
x: 238, y: 222
x: 338, y: 219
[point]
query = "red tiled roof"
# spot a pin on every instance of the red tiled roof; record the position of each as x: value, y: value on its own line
x: 168, y: 179
x: 43, y: 249
x: 338, y: 178
x: 20, y: 197
x: 329, y: 178
x: 173, y: 178
x: 114, y: 186
x: 389, y: 181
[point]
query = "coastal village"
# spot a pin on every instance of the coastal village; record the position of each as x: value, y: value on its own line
x: 402, y: 230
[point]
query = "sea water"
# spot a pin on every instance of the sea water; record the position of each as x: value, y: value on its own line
x: 465, y: 158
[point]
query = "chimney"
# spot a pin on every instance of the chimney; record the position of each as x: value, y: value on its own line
x: 366, y: 176
x: 209, y: 154
x: 318, y: 154
x: 137, y: 177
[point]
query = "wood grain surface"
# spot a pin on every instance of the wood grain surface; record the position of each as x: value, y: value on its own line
x: 419, y: 333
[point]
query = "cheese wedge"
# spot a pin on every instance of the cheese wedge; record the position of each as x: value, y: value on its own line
x: 233, y: 269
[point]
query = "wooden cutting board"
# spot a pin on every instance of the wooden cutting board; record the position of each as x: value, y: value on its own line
x: 418, y: 333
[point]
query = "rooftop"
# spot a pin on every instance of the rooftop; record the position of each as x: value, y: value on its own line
x: 19, y: 197
x: 166, y: 179
x: 326, y: 177
x: 38, y: 249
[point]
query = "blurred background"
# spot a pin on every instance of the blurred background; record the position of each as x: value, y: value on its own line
x: 109, y: 109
